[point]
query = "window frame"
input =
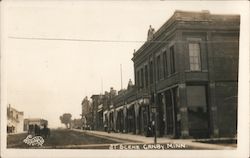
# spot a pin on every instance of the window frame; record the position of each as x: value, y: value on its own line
x: 146, y: 75
x: 158, y: 62
x: 165, y: 63
x: 198, y: 42
x: 151, y: 72
x: 172, y: 59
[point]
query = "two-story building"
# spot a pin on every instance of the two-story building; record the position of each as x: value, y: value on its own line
x: 14, y: 120
x: 189, y: 71
x: 131, y: 110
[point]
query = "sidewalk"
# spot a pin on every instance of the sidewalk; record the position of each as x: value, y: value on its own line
x: 139, y: 139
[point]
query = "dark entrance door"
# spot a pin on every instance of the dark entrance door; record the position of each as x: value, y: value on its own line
x: 161, y: 123
x: 169, y: 114
x: 131, y: 119
x: 197, y: 111
x: 120, y: 121
x: 171, y: 111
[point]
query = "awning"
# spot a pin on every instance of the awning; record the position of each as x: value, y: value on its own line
x: 130, y: 104
x: 99, y: 110
x: 105, y: 112
x: 119, y: 108
x: 100, y: 106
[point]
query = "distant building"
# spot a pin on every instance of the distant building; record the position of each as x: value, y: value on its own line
x: 30, y: 122
x: 87, y: 113
x: 14, y: 120
x: 77, y: 123
x: 86, y: 106
x: 97, y: 113
x: 102, y: 114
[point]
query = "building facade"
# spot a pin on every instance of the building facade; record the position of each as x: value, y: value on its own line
x: 30, y: 123
x: 189, y: 70
x: 87, y: 113
x: 14, y: 120
x: 186, y: 79
x: 77, y: 123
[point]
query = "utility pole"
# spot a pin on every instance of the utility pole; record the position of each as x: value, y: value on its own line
x: 155, y: 102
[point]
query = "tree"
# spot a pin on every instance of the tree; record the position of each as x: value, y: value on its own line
x: 66, y: 119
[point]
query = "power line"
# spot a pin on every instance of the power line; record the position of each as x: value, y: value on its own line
x: 73, y: 39
x: 111, y: 41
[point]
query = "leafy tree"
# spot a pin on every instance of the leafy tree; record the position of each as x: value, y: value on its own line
x: 66, y: 119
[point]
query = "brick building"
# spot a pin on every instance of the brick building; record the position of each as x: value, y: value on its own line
x: 131, y: 110
x: 186, y: 79
x: 189, y: 70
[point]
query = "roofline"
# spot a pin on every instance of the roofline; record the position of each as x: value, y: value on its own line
x: 170, y: 21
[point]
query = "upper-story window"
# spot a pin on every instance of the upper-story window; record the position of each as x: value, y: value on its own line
x: 151, y: 72
x: 165, y: 64
x: 172, y: 60
x: 138, y: 79
x: 158, y: 67
x: 142, y: 78
x: 146, y: 76
x: 11, y: 114
x: 194, y: 56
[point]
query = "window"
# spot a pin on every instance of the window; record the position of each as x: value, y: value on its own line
x: 11, y: 114
x: 142, y: 78
x: 146, y: 76
x: 172, y: 60
x: 138, y: 79
x: 194, y: 56
x: 165, y: 64
x: 158, y: 67
x: 151, y: 72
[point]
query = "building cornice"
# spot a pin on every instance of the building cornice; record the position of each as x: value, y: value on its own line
x: 187, y: 16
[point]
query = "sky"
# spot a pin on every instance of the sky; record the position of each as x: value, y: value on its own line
x: 46, y: 78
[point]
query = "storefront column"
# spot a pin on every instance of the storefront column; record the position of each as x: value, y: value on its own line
x: 115, y: 120
x: 214, y: 132
x: 137, y: 118
x: 164, y: 113
x: 124, y: 119
x: 182, y: 113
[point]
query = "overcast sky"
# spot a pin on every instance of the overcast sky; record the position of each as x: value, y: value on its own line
x: 46, y: 78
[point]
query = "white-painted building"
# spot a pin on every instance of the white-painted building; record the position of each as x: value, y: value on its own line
x: 14, y: 120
